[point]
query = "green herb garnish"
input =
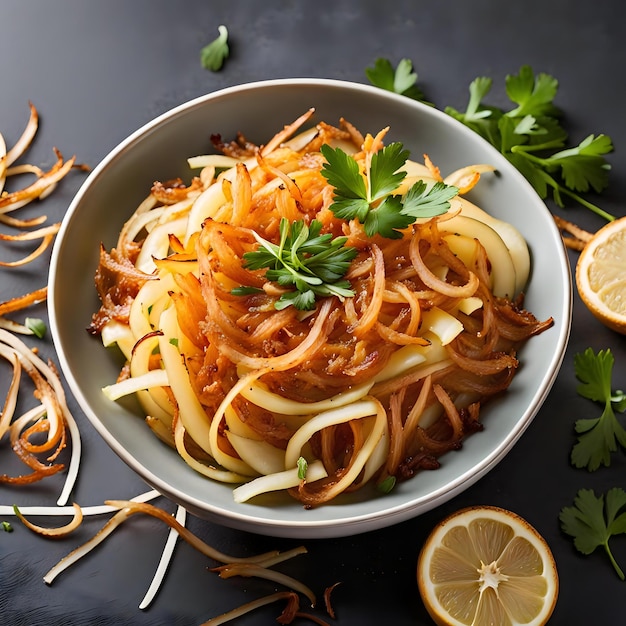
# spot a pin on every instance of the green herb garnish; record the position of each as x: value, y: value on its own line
x: 6, y: 526
x: 213, y: 55
x: 402, y: 80
x: 368, y: 197
x: 245, y: 291
x: 532, y: 138
x: 36, y: 326
x: 530, y: 135
x: 302, y: 468
x: 174, y: 341
x: 598, y: 437
x: 387, y: 484
x: 305, y: 259
x: 592, y: 521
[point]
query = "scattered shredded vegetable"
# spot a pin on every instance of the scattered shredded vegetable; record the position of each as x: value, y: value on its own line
x: 45, y: 182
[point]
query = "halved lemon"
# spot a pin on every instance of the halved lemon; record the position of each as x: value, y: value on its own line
x: 484, y: 566
x: 601, y: 275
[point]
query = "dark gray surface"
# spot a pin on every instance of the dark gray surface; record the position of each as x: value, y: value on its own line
x: 98, y: 71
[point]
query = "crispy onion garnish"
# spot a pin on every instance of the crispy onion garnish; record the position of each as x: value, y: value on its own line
x: 574, y: 237
x: 252, y: 569
x: 45, y: 182
x: 327, y: 603
x: 55, y: 533
x: 289, y: 613
x: 51, y: 417
x: 21, y: 302
x: 46, y: 234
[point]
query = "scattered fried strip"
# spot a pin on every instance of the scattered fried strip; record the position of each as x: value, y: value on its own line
x: 55, y: 533
x: 290, y: 596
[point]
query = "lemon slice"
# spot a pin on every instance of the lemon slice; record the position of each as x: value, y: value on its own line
x: 485, y: 565
x: 601, y: 275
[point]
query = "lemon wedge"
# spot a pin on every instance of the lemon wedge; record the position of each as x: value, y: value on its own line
x: 484, y: 565
x: 601, y: 275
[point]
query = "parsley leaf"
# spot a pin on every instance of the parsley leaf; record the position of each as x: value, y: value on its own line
x: 533, y: 94
x: 368, y: 197
x: 342, y: 173
x: 420, y: 202
x: 402, y: 80
x: 592, y: 521
x: 305, y: 259
x: 598, y: 437
x: 213, y: 55
x: 384, y: 176
x: 387, y: 219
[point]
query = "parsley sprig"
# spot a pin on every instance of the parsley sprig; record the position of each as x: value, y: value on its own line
x: 313, y: 263
x: 600, y: 436
x: 529, y: 134
x: 368, y: 196
x: 593, y: 520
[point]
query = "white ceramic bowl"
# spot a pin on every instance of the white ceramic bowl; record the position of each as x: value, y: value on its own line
x: 158, y: 151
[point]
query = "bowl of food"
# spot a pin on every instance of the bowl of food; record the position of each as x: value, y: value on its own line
x: 308, y: 308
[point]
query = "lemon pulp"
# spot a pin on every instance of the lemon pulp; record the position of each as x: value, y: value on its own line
x: 487, y: 566
x: 601, y: 275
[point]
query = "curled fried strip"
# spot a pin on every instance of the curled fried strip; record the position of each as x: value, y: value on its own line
x: 54, y: 533
x: 327, y: 602
x: 25, y: 138
x: 52, y: 395
x: 20, y: 198
x: 21, y: 302
x: 46, y: 235
x: 267, y: 559
x: 251, y: 569
x: 292, y: 605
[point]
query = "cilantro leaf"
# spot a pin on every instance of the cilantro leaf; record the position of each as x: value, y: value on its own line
x: 213, y: 55
x: 592, y: 521
x: 402, y: 80
x: 304, y: 259
x: 598, y: 437
x: 368, y: 196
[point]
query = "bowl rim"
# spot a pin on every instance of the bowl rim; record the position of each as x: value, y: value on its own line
x: 346, y: 525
